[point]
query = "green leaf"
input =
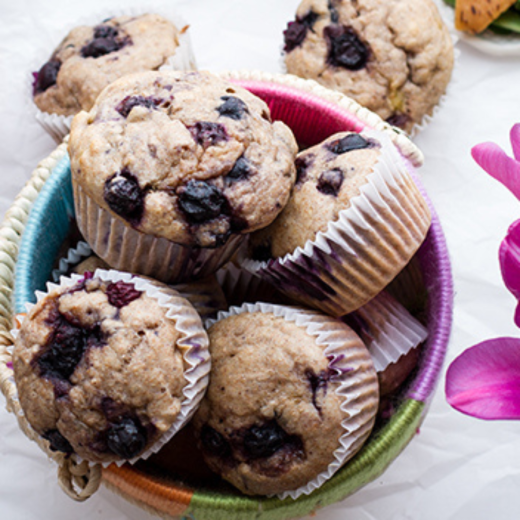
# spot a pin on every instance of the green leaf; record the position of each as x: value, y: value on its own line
x: 510, y: 20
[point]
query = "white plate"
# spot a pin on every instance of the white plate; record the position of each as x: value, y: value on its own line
x: 494, y: 44
x: 487, y: 42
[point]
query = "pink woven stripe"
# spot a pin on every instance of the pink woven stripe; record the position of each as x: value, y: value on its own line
x: 293, y: 105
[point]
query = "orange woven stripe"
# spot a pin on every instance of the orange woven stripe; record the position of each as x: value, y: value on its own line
x: 144, y: 488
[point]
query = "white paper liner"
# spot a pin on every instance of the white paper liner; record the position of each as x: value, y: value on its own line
x: 241, y: 286
x: 361, y: 251
x: 127, y: 249
x: 359, y: 411
x: 193, y: 343
x: 74, y: 256
x: 388, y: 330
x: 58, y: 126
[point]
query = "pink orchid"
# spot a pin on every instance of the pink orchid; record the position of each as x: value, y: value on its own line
x: 484, y: 381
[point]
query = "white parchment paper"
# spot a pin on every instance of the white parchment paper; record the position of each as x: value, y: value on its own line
x: 457, y: 468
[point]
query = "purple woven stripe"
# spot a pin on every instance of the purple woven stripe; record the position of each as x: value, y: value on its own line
x: 436, y: 269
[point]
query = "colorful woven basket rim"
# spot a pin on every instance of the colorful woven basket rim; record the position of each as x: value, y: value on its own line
x: 166, y: 499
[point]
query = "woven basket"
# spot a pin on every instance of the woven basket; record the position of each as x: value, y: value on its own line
x: 43, y: 211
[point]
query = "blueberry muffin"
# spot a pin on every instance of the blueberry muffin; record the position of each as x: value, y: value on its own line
x: 354, y: 220
x: 90, y: 58
x: 101, y: 367
x: 329, y: 175
x: 394, y: 57
x: 286, y: 385
x: 184, y: 157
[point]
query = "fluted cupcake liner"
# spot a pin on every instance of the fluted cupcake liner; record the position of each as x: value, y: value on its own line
x: 351, y: 368
x: 127, y: 249
x: 240, y: 286
x: 75, y: 255
x: 364, y: 249
x: 193, y: 344
x: 388, y: 330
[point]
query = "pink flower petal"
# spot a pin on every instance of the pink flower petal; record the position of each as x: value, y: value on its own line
x: 496, y: 162
x: 484, y: 381
x: 514, y: 135
x: 517, y: 315
x: 509, y: 256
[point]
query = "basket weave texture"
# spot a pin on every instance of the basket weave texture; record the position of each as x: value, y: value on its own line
x: 80, y: 480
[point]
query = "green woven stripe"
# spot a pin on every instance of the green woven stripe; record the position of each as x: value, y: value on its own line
x: 365, y: 467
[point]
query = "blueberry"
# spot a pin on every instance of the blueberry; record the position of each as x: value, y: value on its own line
x: 207, y: 134
x: 262, y: 252
x: 348, y: 143
x: 318, y: 382
x: 345, y: 49
x: 124, y: 196
x: 66, y: 346
x: 46, y: 76
x: 129, y: 102
x: 105, y: 31
x: 62, y: 355
x: 400, y: 120
x: 241, y: 170
x: 233, y: 107
x: 99, y: 47
x: 200, y: 201
x: 297, y: 31
x: 127, y: 438
x: 261, y: 441
x: 302, y: 163
x: 334, y: 16
x: 111, y: 409
x: 330, y: 181
x: 120, y: 294
x: 57, y: 441
x: 214, y: 442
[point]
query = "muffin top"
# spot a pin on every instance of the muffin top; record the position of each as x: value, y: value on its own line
x: 90, y: 58
x: 272, y: 418
x: 328, y: 176
x: 184, y: 156
x: 99, y: 370
x: 394, y: 57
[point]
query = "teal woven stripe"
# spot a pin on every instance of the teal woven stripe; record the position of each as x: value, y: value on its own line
x: 47, y: 227
x: 373, y: 459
